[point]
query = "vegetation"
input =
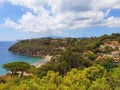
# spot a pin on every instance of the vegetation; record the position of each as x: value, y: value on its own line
x: 77, y: 64
x: 48, y: 46
x: 92, y: 78
x: 15, y: 67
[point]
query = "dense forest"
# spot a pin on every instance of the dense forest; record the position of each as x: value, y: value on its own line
x: 49, y: 46
x: 76, y: 64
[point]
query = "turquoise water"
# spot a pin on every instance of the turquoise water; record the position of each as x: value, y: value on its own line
x: 6, y: 56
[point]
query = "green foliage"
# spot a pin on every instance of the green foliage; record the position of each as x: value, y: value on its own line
x: 75, y: 80
x: 91, y: 78
x: 108, y: 49
x: 39, y: 47
x: 32, y: 69
x: 15, y: 67
x: 113, y: 78
x: 99, y: 84
x: 108, y: 66
x: 92, y: 56
x: 64, y: 63
x: 94, y: 72
x: 49, y: 46
x: 76, y: 65
x: 107, y: 63
x: 51, y: 81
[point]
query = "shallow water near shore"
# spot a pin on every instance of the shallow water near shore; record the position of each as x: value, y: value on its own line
x: 6, y: 56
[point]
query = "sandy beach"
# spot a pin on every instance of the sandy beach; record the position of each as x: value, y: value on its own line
x: 43, y: 61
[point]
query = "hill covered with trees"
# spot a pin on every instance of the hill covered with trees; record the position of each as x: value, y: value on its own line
x: 49, y: 46
x: 77, y: 64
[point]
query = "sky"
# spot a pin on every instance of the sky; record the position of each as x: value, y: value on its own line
x: 23, y: 19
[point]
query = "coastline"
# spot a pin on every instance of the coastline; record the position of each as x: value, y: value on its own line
x: 39, y: 63
x: 45, y: 59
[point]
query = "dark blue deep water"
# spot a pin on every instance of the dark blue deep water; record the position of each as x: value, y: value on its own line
x: 6, y: 56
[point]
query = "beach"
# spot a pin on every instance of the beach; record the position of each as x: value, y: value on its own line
x: 43, y: 61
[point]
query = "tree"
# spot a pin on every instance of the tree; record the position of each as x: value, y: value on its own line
x: 94, y: 72
x: 73, y: 59
x: 100, y: 84
x: 92, y: 56
x: 14, y: 67
x: 32, y: 69
x: 107, y: 63
x: 113, y: 78
x: 51, y: 81
x: 74, y: 80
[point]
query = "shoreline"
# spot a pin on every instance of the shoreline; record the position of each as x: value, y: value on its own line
x: 45, y: 59
x: 37, y: 64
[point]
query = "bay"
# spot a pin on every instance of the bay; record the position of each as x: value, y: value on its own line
x: 6, y: 56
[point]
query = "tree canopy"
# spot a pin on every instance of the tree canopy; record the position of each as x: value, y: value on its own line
x: 15, y: 67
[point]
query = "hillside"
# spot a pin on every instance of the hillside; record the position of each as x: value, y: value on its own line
x: 77, y: 64
x: 49, y: 46
x: 39, y: 47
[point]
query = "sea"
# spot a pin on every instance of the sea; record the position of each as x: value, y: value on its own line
x: 6, y: 56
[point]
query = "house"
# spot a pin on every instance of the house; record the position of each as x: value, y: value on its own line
x: 115, y: 53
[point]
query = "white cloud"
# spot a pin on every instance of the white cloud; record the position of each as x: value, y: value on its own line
x: 104, y: 4
x: 35, y: 5
x: 11, y: 24
x: 113, y: 22
x: 56, y: 15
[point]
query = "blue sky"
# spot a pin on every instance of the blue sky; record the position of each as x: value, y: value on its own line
x: 36, y: 18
